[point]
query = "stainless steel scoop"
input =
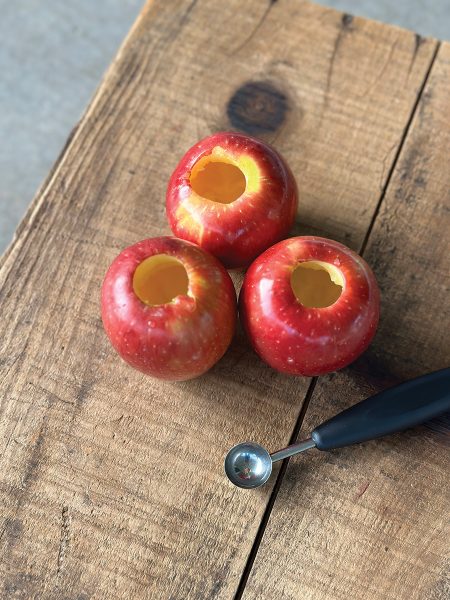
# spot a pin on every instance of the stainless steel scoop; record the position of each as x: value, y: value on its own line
x: 249, y: 465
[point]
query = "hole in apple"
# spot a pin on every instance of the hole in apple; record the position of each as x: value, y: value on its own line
x: 317, y: 284
x: 159, y: 279
x: 217, y: 180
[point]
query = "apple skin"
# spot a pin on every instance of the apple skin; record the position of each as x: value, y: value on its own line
x: 178, y: 340
x: 238, y: 232
x: 298, y: 340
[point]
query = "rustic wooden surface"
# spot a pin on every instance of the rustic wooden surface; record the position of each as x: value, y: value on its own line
x: 372, y: 521
x: 106, y: 488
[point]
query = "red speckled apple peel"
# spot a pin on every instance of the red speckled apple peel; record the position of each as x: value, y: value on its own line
x: 308, y: 305
x: 233, y: 195
x: 175, y: 338
x: 309, y: 340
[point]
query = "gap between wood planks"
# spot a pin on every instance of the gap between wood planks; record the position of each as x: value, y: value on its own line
x: 310, y: 391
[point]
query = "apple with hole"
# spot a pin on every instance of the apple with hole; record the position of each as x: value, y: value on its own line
x: 233, y: 195
x: 309, y: 306
x: 168, y: 308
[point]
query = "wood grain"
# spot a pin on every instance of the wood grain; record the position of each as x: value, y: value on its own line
x: 372, y: 521
x: 111, y: 483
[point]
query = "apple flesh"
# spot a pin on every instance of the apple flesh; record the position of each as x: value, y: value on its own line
x: 168, y: 308
x: 233, y: 195
x: 309, y: 306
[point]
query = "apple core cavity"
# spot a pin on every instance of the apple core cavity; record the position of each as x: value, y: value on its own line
x: 317, y: 284
x: 217, y: 180
x: 159, y: 279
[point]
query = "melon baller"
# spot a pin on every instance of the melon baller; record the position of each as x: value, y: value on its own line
x: 249, y: 465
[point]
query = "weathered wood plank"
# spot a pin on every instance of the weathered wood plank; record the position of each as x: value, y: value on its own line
x: 111, y: 484
x: 371, y: 521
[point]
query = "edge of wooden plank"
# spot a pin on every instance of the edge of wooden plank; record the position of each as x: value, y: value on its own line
x: 310, y: 392
x: 34, y: 208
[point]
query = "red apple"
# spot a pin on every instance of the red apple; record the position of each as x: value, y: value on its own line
x: 309, y: 306
x: 233, y: 195
x: 169, y: 308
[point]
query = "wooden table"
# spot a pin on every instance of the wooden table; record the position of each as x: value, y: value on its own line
x: 111, y: 483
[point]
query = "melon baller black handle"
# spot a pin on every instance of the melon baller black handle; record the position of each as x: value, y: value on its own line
x: 392, y: 410
x: 249, y: 465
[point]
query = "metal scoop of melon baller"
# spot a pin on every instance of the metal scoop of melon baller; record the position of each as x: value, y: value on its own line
x: 249, y: 465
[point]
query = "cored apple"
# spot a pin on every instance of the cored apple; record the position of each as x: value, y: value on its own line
x: 309, y: 306
x: 169, y: 308
x: 233, y: 195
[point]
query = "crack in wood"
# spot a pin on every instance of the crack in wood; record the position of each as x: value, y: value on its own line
x: 399, y: 149
x: 256, y: 28
x: 345, y: 27
x: 64, y: 538
x: 418, y: 41
x: 187, y: 12
x: 273, y: 496
x: 379, y: 75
